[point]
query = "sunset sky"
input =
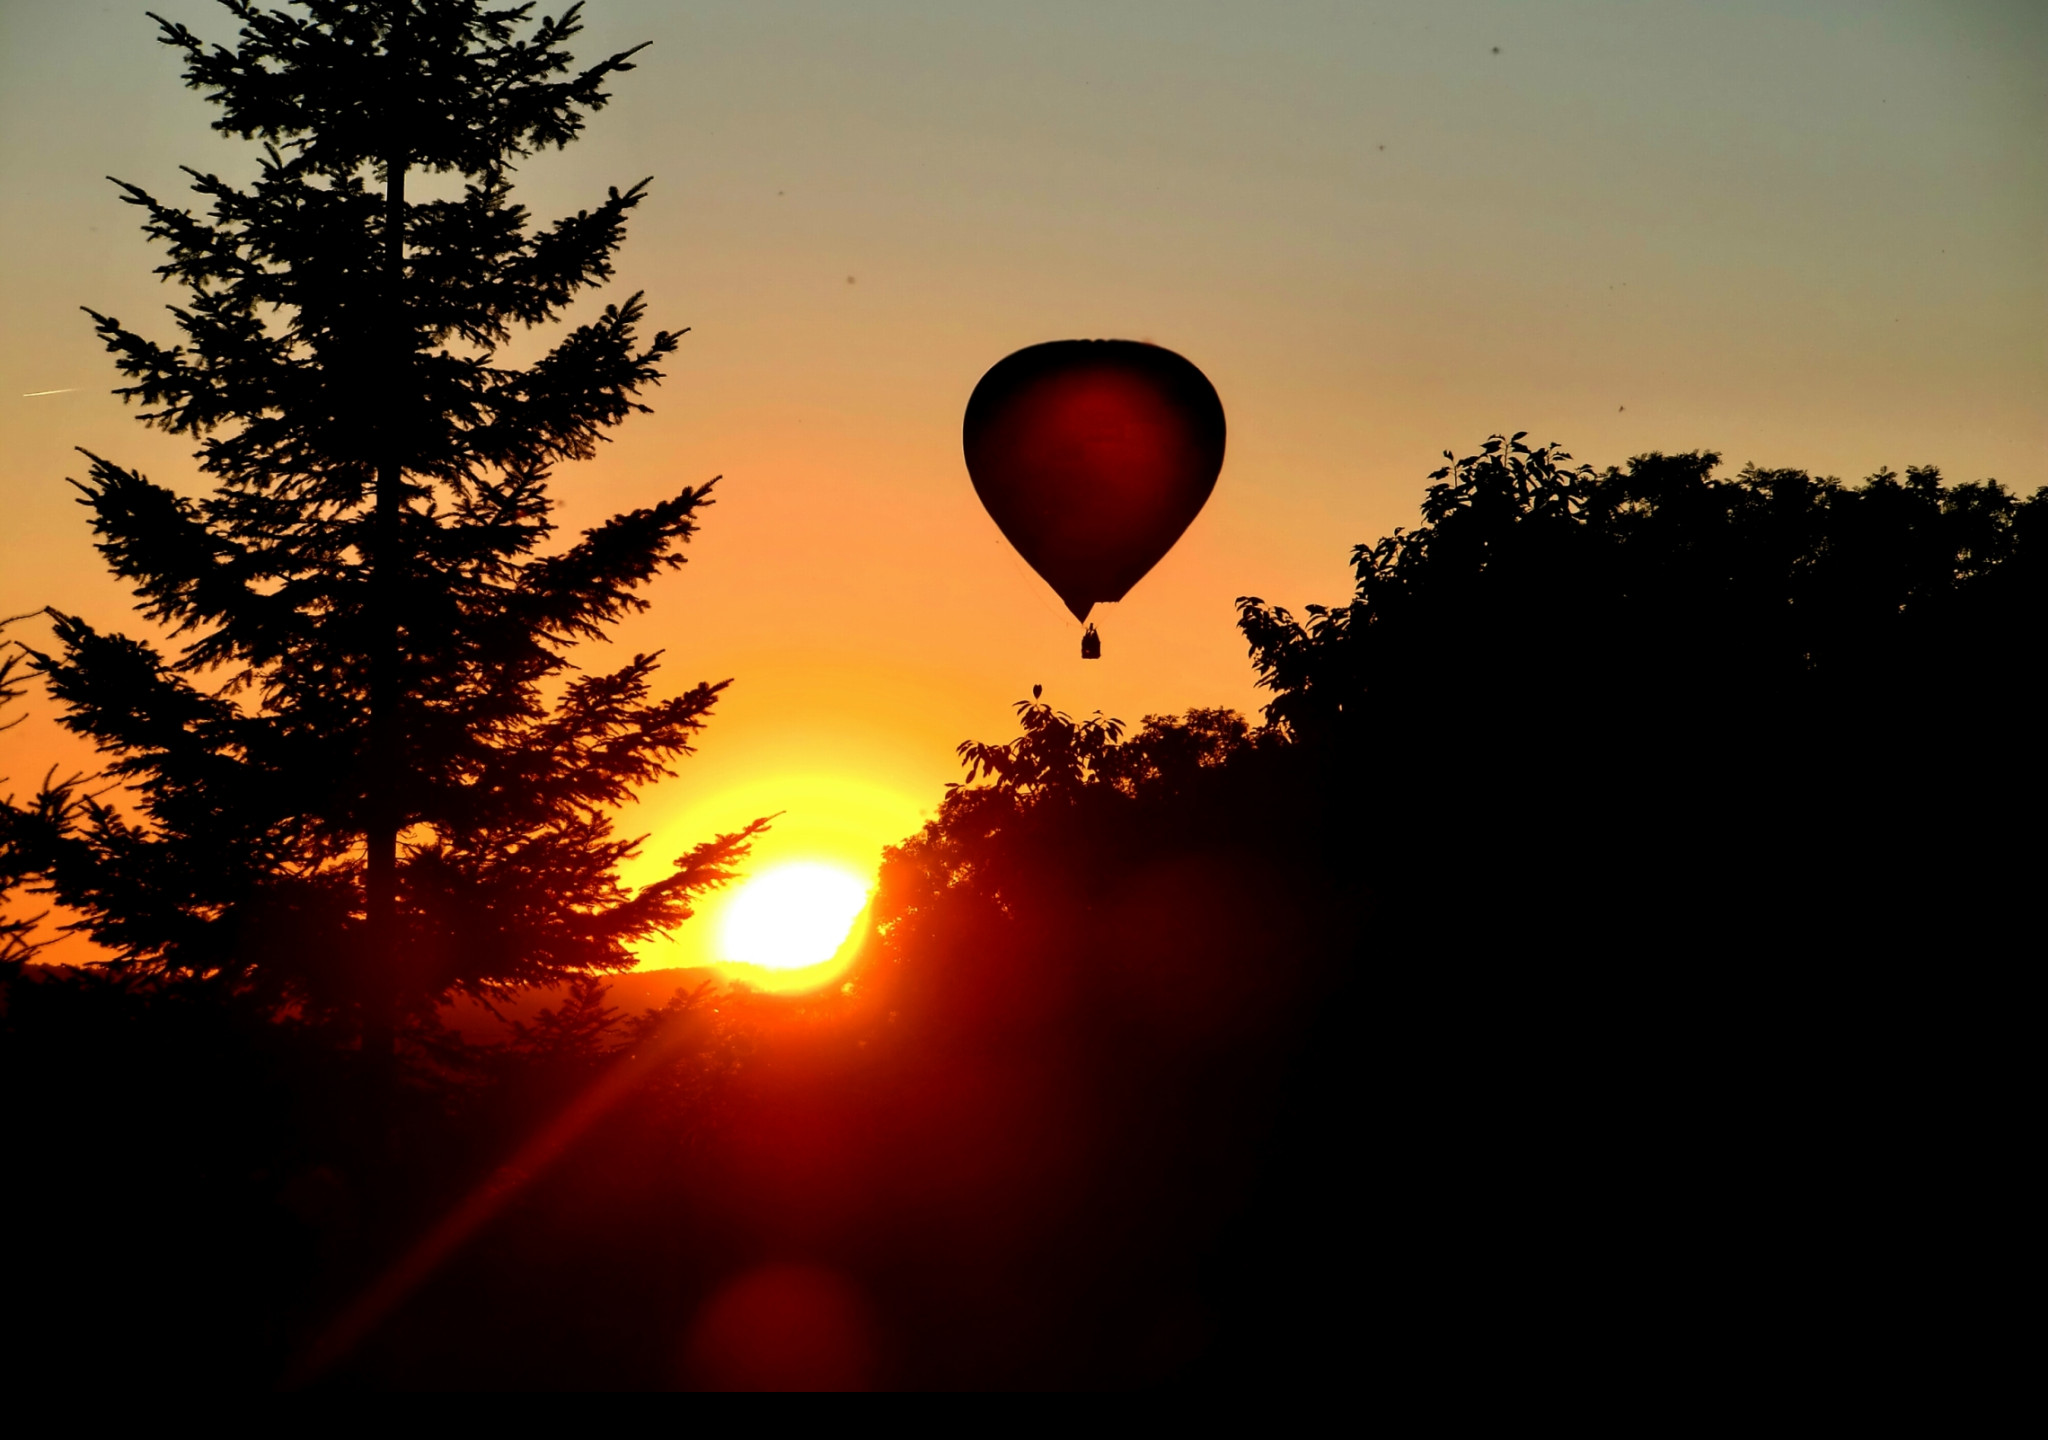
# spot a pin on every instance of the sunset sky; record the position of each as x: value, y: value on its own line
x: 1811, y: 235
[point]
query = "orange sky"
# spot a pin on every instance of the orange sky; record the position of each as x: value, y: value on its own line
x: 1805, y: 235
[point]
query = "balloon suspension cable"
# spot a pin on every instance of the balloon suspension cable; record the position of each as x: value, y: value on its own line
x: 1091, y: 645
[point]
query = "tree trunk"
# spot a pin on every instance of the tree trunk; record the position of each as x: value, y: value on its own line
x: 380, y: 880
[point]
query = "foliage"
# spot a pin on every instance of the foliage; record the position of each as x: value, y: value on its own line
x: 1659, y: 583
x: 1628, y: 842
x: 1067, y: 793
x: 376, y: 619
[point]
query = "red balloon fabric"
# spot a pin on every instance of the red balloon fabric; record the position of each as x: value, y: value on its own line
x: 1093, y: 457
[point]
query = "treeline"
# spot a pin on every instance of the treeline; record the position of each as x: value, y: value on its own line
x: 1590, y: 932
x: 1592, y: 955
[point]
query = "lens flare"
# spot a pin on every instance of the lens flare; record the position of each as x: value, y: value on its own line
x: 792, y: 917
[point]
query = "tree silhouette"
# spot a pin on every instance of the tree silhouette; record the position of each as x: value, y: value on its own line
x: 15, y: 930
x: 1661, y: 582
x: 1732, y: 708
x: 370, y: 773
x: 1621, y: 852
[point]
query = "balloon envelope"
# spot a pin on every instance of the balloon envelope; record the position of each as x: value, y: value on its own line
x: 1092, y: 457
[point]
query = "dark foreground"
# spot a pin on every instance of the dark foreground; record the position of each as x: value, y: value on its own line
x: 1595, y: 970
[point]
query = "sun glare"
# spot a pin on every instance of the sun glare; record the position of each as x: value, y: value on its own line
x: 796, y: 922
x: 792, y: 917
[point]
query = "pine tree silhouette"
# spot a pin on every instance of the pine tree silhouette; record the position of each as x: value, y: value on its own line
x: 372, y: 774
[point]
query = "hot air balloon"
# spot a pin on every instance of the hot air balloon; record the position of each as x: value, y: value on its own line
x: 1093, y: 457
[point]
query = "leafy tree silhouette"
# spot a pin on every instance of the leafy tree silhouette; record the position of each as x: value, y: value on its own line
x: 1714, y: 699
x: 1620, y: 851
x: 1765, y: 585
x: 371, y: 773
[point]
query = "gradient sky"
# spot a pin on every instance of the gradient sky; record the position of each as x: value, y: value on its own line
x: 1811, y: 235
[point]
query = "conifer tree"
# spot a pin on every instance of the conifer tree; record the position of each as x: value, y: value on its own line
x: 370, y: 773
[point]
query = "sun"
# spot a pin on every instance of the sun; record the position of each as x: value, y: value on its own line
x: 793, y: 917
x: 752, y: 933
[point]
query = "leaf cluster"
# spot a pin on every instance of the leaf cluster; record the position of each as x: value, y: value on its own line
x: 1530, y: 582
x: 1071, y: 804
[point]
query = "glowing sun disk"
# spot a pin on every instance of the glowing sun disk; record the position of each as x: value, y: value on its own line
x: 791, y: 917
